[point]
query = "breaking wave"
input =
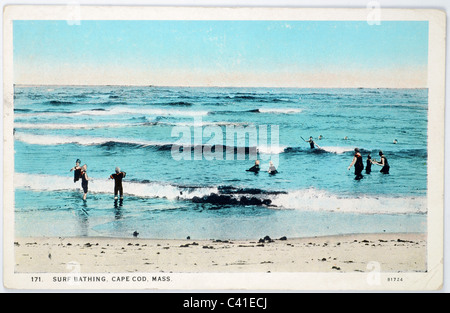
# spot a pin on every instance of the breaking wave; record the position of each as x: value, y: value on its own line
x: 310, y: 199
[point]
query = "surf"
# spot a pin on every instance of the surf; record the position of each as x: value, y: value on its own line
x: 74, y: 125
x: 309, y: 199
x: 109, y: 142
x: 260, y: 111
x: 142, y: 189
x: 313, y: 199
x: 119, y: 110
x: 47, y: 140
x: 280, y: 110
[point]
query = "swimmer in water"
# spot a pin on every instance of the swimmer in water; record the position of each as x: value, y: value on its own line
x: 77, y: 171
x: 272, y: 168
x: 118, y: 188
x: 359, y: 166
x: 383, y: 163
x: 84, y: 180
x: 254, y: 168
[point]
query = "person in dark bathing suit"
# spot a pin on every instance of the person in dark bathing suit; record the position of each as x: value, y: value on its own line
x: 383, y: 163
x: 118, y: 188
x: 359, y: 166
x: 254, y: 168
x: 311, y: 142
x: 84, y: 180
x: 368, y: 164
x: 77, y: 171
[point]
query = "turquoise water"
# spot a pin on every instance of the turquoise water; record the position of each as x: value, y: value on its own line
x: 202, y: 189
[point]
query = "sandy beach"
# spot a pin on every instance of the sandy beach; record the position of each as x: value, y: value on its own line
x: 344, y: 253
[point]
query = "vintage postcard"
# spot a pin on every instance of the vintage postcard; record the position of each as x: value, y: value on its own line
x: 177, y: 148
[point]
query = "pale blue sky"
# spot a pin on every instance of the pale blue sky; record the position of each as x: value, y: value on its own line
x: 222, y: 53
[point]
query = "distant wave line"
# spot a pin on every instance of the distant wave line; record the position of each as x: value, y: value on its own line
x: 214, y: 147
x: 260, y: 110
x: 121, y: 111
x: 21, y: 125
x: 74, y: 126
x: 48, y: 140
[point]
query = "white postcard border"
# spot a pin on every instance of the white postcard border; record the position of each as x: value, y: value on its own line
x: 430, y: 280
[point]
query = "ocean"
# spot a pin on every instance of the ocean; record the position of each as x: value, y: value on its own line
x: 186, y: 152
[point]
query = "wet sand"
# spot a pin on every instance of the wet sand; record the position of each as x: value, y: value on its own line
x: 344, y: 253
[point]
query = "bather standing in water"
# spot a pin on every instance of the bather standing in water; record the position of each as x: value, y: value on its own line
x: 311, y: 142
x: 84, y: 180
x: 77, y: 171
x: 118, y: 188
x: 358, y: 162
x: 383, y: 163
x: 368, y: 164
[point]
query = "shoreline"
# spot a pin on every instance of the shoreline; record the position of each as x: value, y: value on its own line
x: 394, y: 252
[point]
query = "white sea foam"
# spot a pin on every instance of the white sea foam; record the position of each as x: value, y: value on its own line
x: 310, y: 199
x: 80, y: 140
x: 40, y: 114
x: 49, y: 140
x: 205, y: 123
x: 121, y: 111
x: 271, y: 149
x: 319, y: 200
x: 280, y: 110
x: 338, y: 150
x: 44, y: 182
x: 72, y: 126
x: 142, y: 111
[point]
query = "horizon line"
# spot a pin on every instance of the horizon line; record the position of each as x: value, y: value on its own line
x: 187, y: 86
